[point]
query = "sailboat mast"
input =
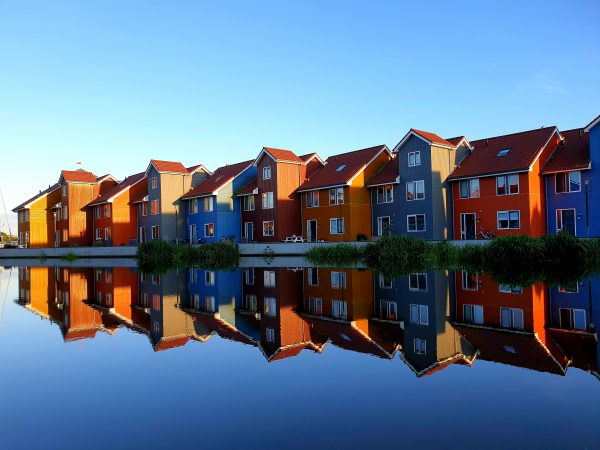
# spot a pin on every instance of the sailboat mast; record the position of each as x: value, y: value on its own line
x: 5, y: 213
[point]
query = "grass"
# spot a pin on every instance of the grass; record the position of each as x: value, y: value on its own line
x: 335, y: 255
x: 70, y: 257
x: 159, y: 256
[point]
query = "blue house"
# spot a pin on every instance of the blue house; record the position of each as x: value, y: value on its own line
x: 568, y: 181
x: 385, y: 193
x: 212, y: 211
x: 594, y: 185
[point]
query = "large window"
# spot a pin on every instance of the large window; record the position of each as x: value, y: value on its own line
x: 270, y: 307
x: 388, y: 310
x: 65, y: 212
x: 269, y: 278
x: 269, y: 228
x: 338, y: 280
x: 469, y: 281
x: 270, y: 335
x: 98, y: 212
x: 417, y: 282
x: 420, y: 346
x: 509, y: 220
x: 384, y: 227
x: 473, y: 314
x: 470, y: 188
x: 315, y: 306
x: 336, y: 226
x: 154, y: 182
x: 508, y: 289
x: 312, y: 199
x: 98, y: 234
x: 266, y: 172
x: 154, y: 207
x: 336, y: 196
x: 385, y: 194
x: 249, y: 203
x: 419, y: 314
x: 209, y: 230
x: 414, y: 159
x: 106, y: 210
x: 507, y: 184
x: 339, y: 309
x: 565, y: 221
x: 107, y: 234
x: 155, y: 232
x: 415, y: 222
x: 267, y: 200
x: 415, y: 190
x: 385, y: 282
x: 568, y: 182
x: 572, y: 319
x: 143, y: 209
x: 250, y: 303
x: 193, y: 206
x: 511, y: 318
x: 209, y: 204
x: 313, y: 276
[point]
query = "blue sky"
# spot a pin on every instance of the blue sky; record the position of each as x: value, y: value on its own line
x: 115, y: 83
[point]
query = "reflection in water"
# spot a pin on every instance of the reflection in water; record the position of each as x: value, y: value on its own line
x: 429, y: 320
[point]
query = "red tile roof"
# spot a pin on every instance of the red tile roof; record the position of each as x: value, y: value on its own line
x: 218, y: 179
x: 168, y: 343
x: 78, y: 176
x: 249, y: 188
x: 351, y: 164
x: 118, y: 189
x: 37, y: 196
x: 169, y: 166
x: 308, y: 156
x: 432, y: 137
x: 524, y: 147
x: 573, y: 153
x: 281, y: 155
x: 387, y: 175
x: 456, y: 140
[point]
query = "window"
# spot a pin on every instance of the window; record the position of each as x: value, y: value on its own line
x: 312, y: 199
x: 270, y: 334
x: 154, y: 208
x: 507, y: 184
x: 340, y: 168
x: 65, y: 212
x: 336, y: 196
x: 388, y: 310
x: 511, y: 318
x: 98, y: 212
x: 568, y: 182
x: 315, y: 306
x: 415, y: 190
x: 106, y: 210
x: 154, y: 182
x: 248, y: 203
x: 417, y: 282
x: 336, y: 226
x: 384, y: 227
x: 266, y: 173
x: 470, y: 188
x: 469, y: 281
x: 250, y: 303
x: 414, y: 159
x: 193, y: 206
x: 385, y: 282
x: 503, y: 152
x: 209, y: 230
x: 419, y: 314
x: 249, y: 276
x: 156, y: 327
x: 415, y: 222
x: 509, y: 220
x: 144, y: 209
x: 385, y: 194
x: 193, y: 276
x: 209, y: 278
x: 473, y: 314
x: 313, y: 277
x: 156, y: 302
x: 196, y: 301
x: 155, y: 279
x: 267, y: 200
x: 269, y: 228
x: 65, y: 235
x: 338, y: 280
x: 208, y: 204
x: 269, y: 278
x: 155, y: 232
x: 99, y: 297
x: 507, y: 289
x: 107, y: 234
x: 209, y: 303
x: 98, y: 234
x: 572, y: 288
x: 270, y: 307
x: 572, y: 319
x: 565, y: 221
x: 339, y: 309
x: 420, y: 346
x: 64, y: 190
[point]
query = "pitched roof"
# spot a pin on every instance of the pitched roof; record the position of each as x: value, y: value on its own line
x: 281, y: 155
x: 38, y: 196
x: 249, y: 188
x: 523, y: 149
x: 341, y: 169
x: 310, y: 156
x: 387, y: 175
x: 592, y: 124
x: 169, y: 166
x: 218, y: 179
x: 432, y: 137
x: 573, y: 153
x: 455, y: 141
x: 118, y: 189
x: 78, y: 176
x: 169, y: 343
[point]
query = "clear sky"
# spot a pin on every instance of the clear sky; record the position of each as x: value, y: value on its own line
x: 115, y: 83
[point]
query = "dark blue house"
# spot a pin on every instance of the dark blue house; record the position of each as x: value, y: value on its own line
x: 212, y: 211
x: 594, y: 186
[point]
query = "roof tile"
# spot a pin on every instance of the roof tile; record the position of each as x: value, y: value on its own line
x: 432, y: 137
x: 281, y: 155
x: 573, y: 153
x: 387, y: 175
x: 169, y: 166
x: 217, y: 180
x: 37, y: 196
x: 118, y: 189
x: 78, y: 176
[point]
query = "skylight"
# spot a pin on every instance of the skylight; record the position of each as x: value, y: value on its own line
x: 503, y: 152
x: 339, y: 169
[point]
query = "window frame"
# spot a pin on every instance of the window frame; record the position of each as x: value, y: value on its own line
x: 272, y: 228
x: 416, y: 230
x: 207, y: 227
x: 507, y: 186
x: 417, y: 288
x: 312, y: 195
x: 415, y: 154
x: 508, y: 212
x: 266, y: 173
x: 463, y: 276
x: 415, y: 185
x: 337, y: 221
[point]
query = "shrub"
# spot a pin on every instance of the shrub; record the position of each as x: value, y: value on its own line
x: 159, y: 256
x: 335, y: 255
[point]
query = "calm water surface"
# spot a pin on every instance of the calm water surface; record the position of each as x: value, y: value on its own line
x: 294, y: 358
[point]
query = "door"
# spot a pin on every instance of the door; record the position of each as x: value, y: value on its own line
x: 193, y: 234
x: 249, y: 231
x: 311, y: 230
x: 383, y: 226
x: 568, y: 221
x: 142, y: 238
x: 467, y: 226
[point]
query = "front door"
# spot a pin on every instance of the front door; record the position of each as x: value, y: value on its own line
x: 193, y: 234
x: 311, y: 231
x: 467, y: 226
x: 383, y: 226
x: 249, y: 231
x: 568, y: 221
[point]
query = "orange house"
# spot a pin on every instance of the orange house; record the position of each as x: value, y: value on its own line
x: 36, y: 289
x: 36, y: 220
x: 73, y: 223
x: 336, y: 203
x: 115, y: 291
x: 498, y: 189
x: 114, y: 214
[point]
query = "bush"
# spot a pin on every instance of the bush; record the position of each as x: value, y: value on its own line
x: 159, y: 256
x: 335, y: 255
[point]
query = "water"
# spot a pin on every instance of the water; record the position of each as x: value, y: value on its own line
x: 278, y: 358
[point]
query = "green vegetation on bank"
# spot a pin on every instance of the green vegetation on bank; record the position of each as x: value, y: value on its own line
x: 518, y: 260
x: 158, y: 256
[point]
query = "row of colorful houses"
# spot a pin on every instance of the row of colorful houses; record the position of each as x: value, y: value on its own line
x: 531, y: 182
x: 430, y: 320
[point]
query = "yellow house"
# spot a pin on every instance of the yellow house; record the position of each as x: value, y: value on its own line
x: 36, y: 220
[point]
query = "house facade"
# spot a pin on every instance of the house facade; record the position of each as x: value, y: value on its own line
x: 593, y: 186
x: 212, y: 209
x: 498, y: 189
x: 335, y: 199
x: 36, y: 219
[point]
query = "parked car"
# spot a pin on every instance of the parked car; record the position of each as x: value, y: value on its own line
x: 294, y: 238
